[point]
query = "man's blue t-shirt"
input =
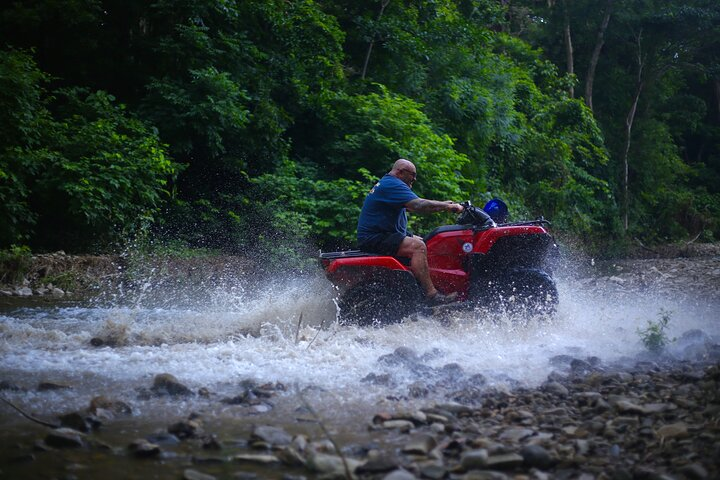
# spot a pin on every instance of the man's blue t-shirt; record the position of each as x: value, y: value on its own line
x: 384, y: 208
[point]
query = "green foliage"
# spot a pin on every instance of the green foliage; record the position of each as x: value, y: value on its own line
x: 22, y: 119
x: 285, y: 112
x: 84, y: 171
x: 14, y: 264
x: 299, y: 206
x: 207, y: 109
x: 67, y: 281
x: 654, y: 337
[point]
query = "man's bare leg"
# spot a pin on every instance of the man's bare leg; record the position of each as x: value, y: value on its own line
x: 415, y: 248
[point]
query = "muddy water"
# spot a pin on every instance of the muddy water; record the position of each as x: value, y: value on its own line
x: 284, y: 332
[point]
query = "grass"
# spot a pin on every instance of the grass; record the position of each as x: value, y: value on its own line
x: 655, y: 337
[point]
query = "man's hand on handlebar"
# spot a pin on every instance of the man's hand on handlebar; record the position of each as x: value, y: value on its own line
x: 454, y: 207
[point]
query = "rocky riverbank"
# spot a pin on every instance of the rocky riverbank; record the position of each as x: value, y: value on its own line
x: 58, y: 275
x: 656, y: 419
x: 642, y: 416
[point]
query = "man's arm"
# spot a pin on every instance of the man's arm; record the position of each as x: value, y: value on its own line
x: 422, y: 205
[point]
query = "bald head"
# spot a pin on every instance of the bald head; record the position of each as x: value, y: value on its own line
x: 402, y: 164
x: 404, y: 170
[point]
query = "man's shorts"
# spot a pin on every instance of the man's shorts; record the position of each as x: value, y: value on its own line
x: 382, y: 243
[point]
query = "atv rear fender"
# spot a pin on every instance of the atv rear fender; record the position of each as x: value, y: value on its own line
x: 350, y: 268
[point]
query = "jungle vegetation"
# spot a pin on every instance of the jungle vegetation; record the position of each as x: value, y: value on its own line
x: 240, y: 125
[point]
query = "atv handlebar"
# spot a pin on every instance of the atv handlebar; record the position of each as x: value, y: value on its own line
x: 475, y: 216
x: 472, y: 215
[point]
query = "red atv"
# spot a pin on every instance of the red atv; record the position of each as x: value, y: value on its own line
x: 485, y: 263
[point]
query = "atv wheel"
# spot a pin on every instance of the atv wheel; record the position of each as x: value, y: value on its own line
x: 374, y: 304
x: 527, y: 291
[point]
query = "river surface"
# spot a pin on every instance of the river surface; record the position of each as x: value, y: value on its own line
x: 285, y: 332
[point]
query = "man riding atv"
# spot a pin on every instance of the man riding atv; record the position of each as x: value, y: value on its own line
x: 382, y: 226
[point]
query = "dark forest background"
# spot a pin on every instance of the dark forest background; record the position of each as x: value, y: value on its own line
x: 239, y: 125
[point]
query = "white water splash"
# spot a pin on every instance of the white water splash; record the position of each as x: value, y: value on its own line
x: 240, y: 334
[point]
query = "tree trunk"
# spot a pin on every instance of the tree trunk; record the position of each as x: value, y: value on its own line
x: 569, y: 56
x: 629, y: 120
x: 599, y: 42
x: 383, y: 4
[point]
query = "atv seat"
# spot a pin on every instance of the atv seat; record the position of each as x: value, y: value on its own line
x: 446, y: 228
x: 359, y: 253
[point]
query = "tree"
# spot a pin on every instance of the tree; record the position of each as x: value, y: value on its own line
x: 78, y: 171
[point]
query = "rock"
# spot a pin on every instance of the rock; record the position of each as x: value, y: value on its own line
x: 379, y: 463
x: 8, y: 386
x: 190, y: 474
x: 79, y: 422
x: 208, y: 460
x: 273, y: 435
x: 167, y: 384
x: 561, y: 360
x: 401, y: 356
x: 626, y: 406
x: 259, y: 459
x: 144, y: 449
x: 474, y: 459
x: 210, y: 442
x: 555, y: 388
x: 23, y: 292
x: 516, y: 434
x: 107, y: 408
x: 400, y: 474
x: 291, y: 457
x: 673, y: 430
x: 420, y: 444
x: 433, y: 472
x: 484, y: 475
x: 418, y: 390
x: 417, y: 417
x: 65, y: 438
x: 57, y: 292
x: 454, y: 408
x: 695, y: 471
x: 506, y: 461
x: 331, y: 464
x: 163, y: 438
x: 377, y: 379
x: 535, y: 456
x: 402, y: 425
x: 185, y: 429
x: 47, y: 386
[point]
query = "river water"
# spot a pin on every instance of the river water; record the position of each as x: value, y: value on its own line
x: 285, y: 332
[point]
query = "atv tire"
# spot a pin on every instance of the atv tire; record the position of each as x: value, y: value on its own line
x: 375, y: 304
x: 526, y: 291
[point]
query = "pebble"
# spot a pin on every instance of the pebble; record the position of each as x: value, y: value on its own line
x: 190, y: 474
x: 674, y: 430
